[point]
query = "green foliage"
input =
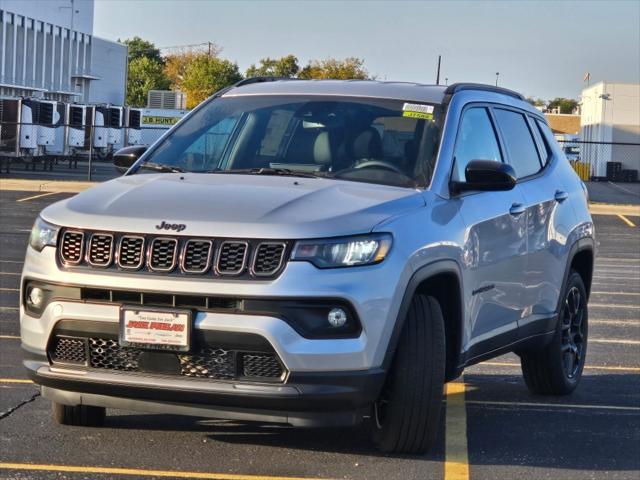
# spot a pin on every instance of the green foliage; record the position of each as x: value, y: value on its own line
x: 275, y: 67
x: 334, y: 68
x: 536, y: 102
x: 567, y: 105
x: 144, y: 74
x: 205, y: 75
x: 142, y: 48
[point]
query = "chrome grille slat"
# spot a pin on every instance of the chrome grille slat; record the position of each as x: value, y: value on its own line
x: 197, y: 255
x: 72, y: 245
x: 131, y: 252
x: 232, y: 257
x: 162, y: 254
x: 100, y: 249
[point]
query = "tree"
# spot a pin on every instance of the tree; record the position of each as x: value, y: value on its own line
x: 536, y: 102
x: 142, y: 48
x: 175, y: 66
x: 205, y: 75
x: 144, y: 74
x: 333, y: 68
x: 275, y: 67
x: 567, y: 105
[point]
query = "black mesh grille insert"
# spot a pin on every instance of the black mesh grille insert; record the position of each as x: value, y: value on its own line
x: 197, y: 254
x: 209, y: 363
x: 131, y: 252
x: 231, y: 259
x: 163, y: 254
x: 71, y: 247
x: 100, y: 249
x: 106, y: 353
x: 268, y: 258
x: 261, y: 365
x: 69, y: 350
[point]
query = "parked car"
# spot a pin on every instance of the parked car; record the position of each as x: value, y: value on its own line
x: 315, y: 253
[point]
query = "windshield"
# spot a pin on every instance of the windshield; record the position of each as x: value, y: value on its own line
x: 369, y: 140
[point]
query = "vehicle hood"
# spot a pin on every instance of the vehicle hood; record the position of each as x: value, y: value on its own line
x: 230, y: 205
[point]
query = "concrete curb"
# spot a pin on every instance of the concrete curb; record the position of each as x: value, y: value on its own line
x: 26, y: 185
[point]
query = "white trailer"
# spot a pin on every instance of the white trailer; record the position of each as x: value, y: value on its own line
x: 18, y: 130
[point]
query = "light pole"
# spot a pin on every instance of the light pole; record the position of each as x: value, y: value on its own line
x: 497, y: 75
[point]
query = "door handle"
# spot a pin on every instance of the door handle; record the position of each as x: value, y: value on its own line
x: 517, y: 209
x: 561, y: 196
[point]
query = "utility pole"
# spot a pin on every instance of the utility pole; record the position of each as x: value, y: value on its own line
x: 438, y: 74
x: 210, y: 47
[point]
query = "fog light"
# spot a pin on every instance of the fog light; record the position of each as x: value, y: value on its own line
x: 337, y: 317
x: 36, y: 297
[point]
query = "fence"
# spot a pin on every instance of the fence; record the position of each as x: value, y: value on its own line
x: 613, y: 161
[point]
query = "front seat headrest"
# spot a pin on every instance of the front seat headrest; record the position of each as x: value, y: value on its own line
x: 367, y: 144
x: 322, y: 149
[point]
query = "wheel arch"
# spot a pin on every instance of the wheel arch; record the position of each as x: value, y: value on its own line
x: 582, y: 259
x: 442, y: 280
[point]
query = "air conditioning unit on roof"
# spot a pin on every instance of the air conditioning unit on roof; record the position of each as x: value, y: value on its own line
x: 166, y: 99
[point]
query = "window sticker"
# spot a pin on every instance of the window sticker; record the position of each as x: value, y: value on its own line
x: 416, y: 110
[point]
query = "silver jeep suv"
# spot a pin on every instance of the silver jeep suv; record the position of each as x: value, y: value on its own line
x: 315, y: 253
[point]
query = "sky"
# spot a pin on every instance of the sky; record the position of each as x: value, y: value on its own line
x: 541, y: 49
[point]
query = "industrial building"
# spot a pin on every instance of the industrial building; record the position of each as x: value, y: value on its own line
x: 610, y: 117
x: 47, y: 50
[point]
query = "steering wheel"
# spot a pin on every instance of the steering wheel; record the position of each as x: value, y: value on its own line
x: 380, y: 164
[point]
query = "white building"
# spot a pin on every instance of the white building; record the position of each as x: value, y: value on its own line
x: 611, y: 114
x: 47, y: 49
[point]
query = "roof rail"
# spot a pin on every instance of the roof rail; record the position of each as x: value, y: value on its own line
x: 459, y: 87
x: 250, y: 80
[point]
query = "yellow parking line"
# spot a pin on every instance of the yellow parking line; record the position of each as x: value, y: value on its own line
x: 626, y: 220
x: 456, y: 464
x: 139, y: 472
x: 586, y: 367
x: 630, y: 294
x: 613, y: 305
x: 553, y: 405
x: 9, y: 289
x: 8, y: 309
x: 26, y: 199
x: 6, y: 337
x: 614, y: 341
x: 15, y: 380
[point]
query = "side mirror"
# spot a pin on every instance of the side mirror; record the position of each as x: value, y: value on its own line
x: 486, y: 176
x: 127, y: 156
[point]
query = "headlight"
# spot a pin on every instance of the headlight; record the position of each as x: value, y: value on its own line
x: 43, y: 234
x: 343, y: 252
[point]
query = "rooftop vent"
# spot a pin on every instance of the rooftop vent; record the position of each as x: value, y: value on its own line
x: 166, y: 99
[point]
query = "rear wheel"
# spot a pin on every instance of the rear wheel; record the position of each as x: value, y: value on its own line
x: 79, y: 415
x: 557, y: 369
x: 407, y: 414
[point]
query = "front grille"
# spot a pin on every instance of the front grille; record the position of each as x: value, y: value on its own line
x: 209, y: 363
x: 100, y: 249
x: 163, y: 254
x: 197, y: 255
x: 268, y: 258
x: 260, y: 365
x: 176, y: 255
x: 205, y: 362
x: 131, y: 252
x: 71, y: 247
x: 232, y: 258
x: 69, y: 350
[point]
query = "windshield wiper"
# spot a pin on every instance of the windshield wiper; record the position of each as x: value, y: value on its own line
x: 158, y: 167
x: 285, y: 172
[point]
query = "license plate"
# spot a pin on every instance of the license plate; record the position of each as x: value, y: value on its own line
x: 160, y: 329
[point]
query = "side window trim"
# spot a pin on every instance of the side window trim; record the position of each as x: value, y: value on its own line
x: 487, y: 108
x: 543, y: 150
x: 505, y: 148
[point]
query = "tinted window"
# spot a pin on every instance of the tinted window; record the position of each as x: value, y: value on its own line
x: 547, y: 137
x: 476, y: 141
x: 523, y: 155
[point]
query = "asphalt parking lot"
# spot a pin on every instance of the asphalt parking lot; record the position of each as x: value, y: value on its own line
x: 494, y: 428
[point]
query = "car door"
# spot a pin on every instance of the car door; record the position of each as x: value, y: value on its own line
x: 549, y: 216
x: 495, y: 243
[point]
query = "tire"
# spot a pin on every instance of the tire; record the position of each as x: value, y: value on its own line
x: 78, y: 415
x: 557, y: 368
x: 406, y: 417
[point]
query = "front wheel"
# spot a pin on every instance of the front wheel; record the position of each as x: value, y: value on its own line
x: 407, y: 414
x: 557, y: 369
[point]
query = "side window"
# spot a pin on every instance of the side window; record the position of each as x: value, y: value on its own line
x: 547, y: 137
x: 476, y: 141
x: 523, y: 154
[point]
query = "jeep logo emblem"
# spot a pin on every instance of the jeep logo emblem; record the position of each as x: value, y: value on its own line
x: 178, y: 227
